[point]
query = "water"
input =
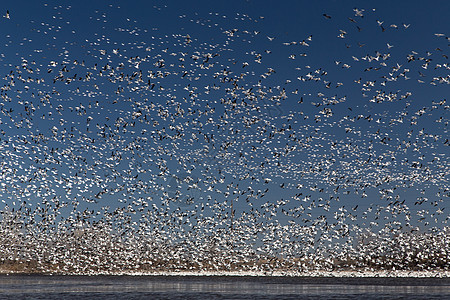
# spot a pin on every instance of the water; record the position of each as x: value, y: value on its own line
x: 187, y: 287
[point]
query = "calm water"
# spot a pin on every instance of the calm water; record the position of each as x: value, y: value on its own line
x: 162, y: 287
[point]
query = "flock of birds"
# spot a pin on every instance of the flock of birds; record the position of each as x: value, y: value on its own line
x: 180, y: 153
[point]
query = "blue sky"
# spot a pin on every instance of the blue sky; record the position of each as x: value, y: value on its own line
x: 338, y: 104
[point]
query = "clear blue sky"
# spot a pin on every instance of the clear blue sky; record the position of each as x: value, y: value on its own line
x: 311, y: 101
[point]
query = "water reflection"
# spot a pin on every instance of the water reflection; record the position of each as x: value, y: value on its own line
x: 225, y: 286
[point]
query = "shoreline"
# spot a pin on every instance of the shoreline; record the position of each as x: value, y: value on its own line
x: 275, y: 274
